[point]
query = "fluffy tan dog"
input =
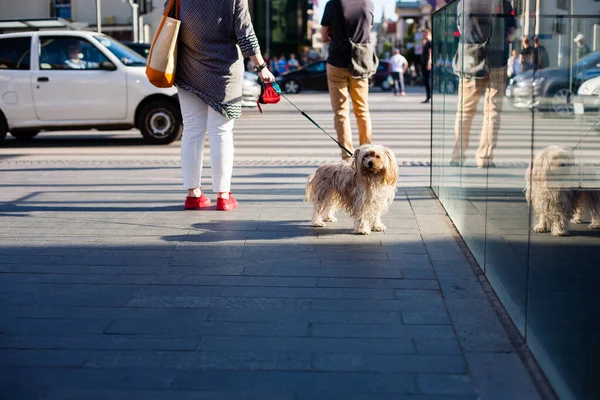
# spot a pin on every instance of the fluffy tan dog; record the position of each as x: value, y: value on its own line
x: 364, y: 188
x: 558, y: 189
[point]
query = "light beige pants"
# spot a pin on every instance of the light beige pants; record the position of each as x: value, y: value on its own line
x: 341, y: 85
x: 469, y: 94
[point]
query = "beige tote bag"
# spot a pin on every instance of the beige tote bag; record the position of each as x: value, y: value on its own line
x: 162, y: 60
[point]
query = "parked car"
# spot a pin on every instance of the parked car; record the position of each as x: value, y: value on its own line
x: 250, y: 91
x: 382, y: 77
x: 589, y: 94
x: 310, y: 77
x: 143, y: 49
x: 314, y: 77
x: 56, y: 80
x: 553, y: 89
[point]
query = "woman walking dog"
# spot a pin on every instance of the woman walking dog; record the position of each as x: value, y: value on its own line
x: 209, y: 78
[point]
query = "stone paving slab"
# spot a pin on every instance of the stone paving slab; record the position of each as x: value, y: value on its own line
x: 102, y: 299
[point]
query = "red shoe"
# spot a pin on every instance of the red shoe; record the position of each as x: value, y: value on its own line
x: 226, y: 204
x: 196, y: 203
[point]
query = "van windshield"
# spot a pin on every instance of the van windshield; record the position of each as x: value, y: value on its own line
x: 127, y: 56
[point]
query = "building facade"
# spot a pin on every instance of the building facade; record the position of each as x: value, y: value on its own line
x: 290, y: 25
x: 116, y: 15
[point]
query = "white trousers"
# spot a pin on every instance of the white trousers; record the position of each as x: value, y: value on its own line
x: 198, y: 119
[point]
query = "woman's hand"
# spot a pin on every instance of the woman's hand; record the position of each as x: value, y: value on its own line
x: 266, y: 76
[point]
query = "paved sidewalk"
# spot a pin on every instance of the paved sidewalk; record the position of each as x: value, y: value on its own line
x: 108, y: 290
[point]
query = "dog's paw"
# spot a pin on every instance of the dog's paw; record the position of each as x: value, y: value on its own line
x: 559, y: 232
x: 594, y: 225
x: 540, y: 228
x: 577, y: 220
x: 330, y: 219
x: 318, y: 224
x: 379, y: 228
x: 362, y: 231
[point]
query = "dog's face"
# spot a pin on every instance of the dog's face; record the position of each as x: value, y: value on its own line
x: 374, y: 161
x: 553, y: 167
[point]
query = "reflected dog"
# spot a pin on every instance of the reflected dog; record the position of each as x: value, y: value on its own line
x: 364, y: 187
x: 559, y: 190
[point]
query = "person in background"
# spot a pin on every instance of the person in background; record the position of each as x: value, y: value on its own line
x: 426, y: 63
x: 293, y: 63
x: 274, y: 66
x: 398, y: 66
x: 514, y: 65
x: 341, y: 19
x: 75, y: 60
x: 282, y: 64
x: 540, y: 54
x: 582, y: 48
x: 526, y: 58
x: 304, y: 60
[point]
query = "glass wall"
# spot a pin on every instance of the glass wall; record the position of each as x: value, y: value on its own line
x: 515, y: 162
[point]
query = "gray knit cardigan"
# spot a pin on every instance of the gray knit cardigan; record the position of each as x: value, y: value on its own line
x: 213, y: 36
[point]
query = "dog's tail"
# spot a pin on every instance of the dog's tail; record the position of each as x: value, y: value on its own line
x: 308, y: 195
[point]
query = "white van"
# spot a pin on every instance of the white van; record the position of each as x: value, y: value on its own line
x: 55, y: 80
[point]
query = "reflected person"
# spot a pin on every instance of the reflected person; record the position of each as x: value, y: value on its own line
x: 480, y: 62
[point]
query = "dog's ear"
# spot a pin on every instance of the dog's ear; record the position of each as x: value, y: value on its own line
x: 391, y: 170
x: 528, y: 173
x: 356, y: 160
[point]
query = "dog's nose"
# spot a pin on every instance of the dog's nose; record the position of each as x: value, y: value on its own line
x: 371, y: 164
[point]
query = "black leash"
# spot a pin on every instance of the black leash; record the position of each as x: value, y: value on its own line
x: 317, y: 125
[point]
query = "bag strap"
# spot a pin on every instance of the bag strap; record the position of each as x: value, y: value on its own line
x: 169, y: 7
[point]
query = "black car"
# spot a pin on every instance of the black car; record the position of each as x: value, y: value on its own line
x: 142, y: 49
x: 314, y: 77
x: 311, y: 77
x: 553, y: 89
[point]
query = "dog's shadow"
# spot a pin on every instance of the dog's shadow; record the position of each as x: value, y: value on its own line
x: 239, y: 231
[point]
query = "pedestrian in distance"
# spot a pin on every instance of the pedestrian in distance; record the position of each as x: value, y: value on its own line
x: 293, y: 63
x: 209, y: 79
x: 514, y: 65
x: 426, y: 63
x: 527, y: 56
x: 282, y: 64
x: 541, y: 58
x: 346, y: 26
x: 582, y: 48
x: 398, y: 66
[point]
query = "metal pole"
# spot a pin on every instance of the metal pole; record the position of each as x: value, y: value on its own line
x: 141, y: 29
x: 99, y: 16
x: 136, y: 31
x: 537, y: 17
x: 268, y: 26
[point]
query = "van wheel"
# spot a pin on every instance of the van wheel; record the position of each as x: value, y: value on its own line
x: 24, y: 136
x: 160, y: 122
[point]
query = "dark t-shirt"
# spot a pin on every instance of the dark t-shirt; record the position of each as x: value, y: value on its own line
x: 358, y: 17
x: 527, y: 59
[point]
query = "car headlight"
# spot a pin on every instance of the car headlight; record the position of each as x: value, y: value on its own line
x: 585, y: 90
x: 522, y: 82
